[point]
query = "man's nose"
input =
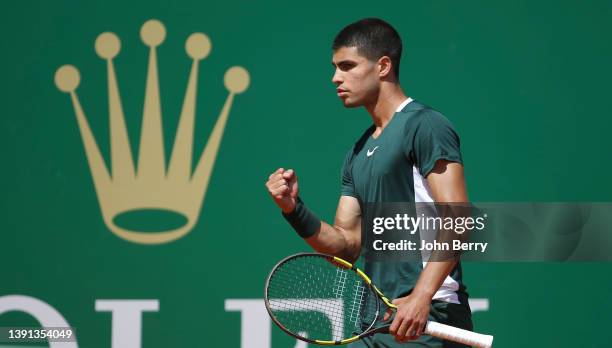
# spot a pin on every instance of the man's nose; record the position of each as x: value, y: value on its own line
x: 336, y: 79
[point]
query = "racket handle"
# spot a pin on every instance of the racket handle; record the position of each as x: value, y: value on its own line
x: 458, y: 335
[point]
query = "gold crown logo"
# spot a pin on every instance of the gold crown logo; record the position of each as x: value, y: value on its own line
x: 150, y: 185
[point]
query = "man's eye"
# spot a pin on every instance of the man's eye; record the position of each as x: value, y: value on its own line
x: 345, y: 67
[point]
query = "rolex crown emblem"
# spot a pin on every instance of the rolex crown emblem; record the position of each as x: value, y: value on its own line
x: 150, y: 184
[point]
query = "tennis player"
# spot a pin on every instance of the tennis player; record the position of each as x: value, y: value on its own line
x: 410, y: 153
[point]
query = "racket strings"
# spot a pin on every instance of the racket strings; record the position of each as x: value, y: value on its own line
x: 355, y: 309
x: 309, y: 296
x: 339, y: 282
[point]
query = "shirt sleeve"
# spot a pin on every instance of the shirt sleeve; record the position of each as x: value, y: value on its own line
x: 435, y: 139
x: 348, y: 186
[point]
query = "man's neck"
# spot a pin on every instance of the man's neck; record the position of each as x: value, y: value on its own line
x: 383, y: 108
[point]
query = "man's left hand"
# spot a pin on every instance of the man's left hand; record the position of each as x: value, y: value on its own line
x: 411, y: 317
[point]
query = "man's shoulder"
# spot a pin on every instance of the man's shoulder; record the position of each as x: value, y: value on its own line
x: 419, y: 112
x: 422, y: 117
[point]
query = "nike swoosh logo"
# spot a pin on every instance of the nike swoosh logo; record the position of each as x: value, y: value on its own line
x: 370, y: 153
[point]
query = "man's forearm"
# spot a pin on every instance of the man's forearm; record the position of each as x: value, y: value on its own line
x: 432, y: 278
x: 334, y: 240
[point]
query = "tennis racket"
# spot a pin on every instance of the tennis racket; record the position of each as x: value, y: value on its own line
x: 325, y: 300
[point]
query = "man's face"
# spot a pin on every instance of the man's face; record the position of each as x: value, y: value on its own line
x: 356, y: 78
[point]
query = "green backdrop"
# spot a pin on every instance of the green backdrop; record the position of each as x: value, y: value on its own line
x: 525, y: 83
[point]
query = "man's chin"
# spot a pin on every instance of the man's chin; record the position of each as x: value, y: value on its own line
x: 350, y: 104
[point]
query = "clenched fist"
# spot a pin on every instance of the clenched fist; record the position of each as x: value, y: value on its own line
x: 283, y: 187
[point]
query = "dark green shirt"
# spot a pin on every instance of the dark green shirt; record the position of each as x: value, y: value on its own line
x: 392, y: 168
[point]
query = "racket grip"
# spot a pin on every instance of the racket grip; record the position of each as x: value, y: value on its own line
x: 458, y: 335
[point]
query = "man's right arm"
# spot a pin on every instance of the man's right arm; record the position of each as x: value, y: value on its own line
x: 342, y: 239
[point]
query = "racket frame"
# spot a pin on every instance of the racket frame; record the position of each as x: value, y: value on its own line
x: 338, y: 262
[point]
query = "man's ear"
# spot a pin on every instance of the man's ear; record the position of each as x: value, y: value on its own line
x: 384, y: 66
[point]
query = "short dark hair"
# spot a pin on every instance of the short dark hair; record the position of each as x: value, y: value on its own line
x: 373, y: 39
